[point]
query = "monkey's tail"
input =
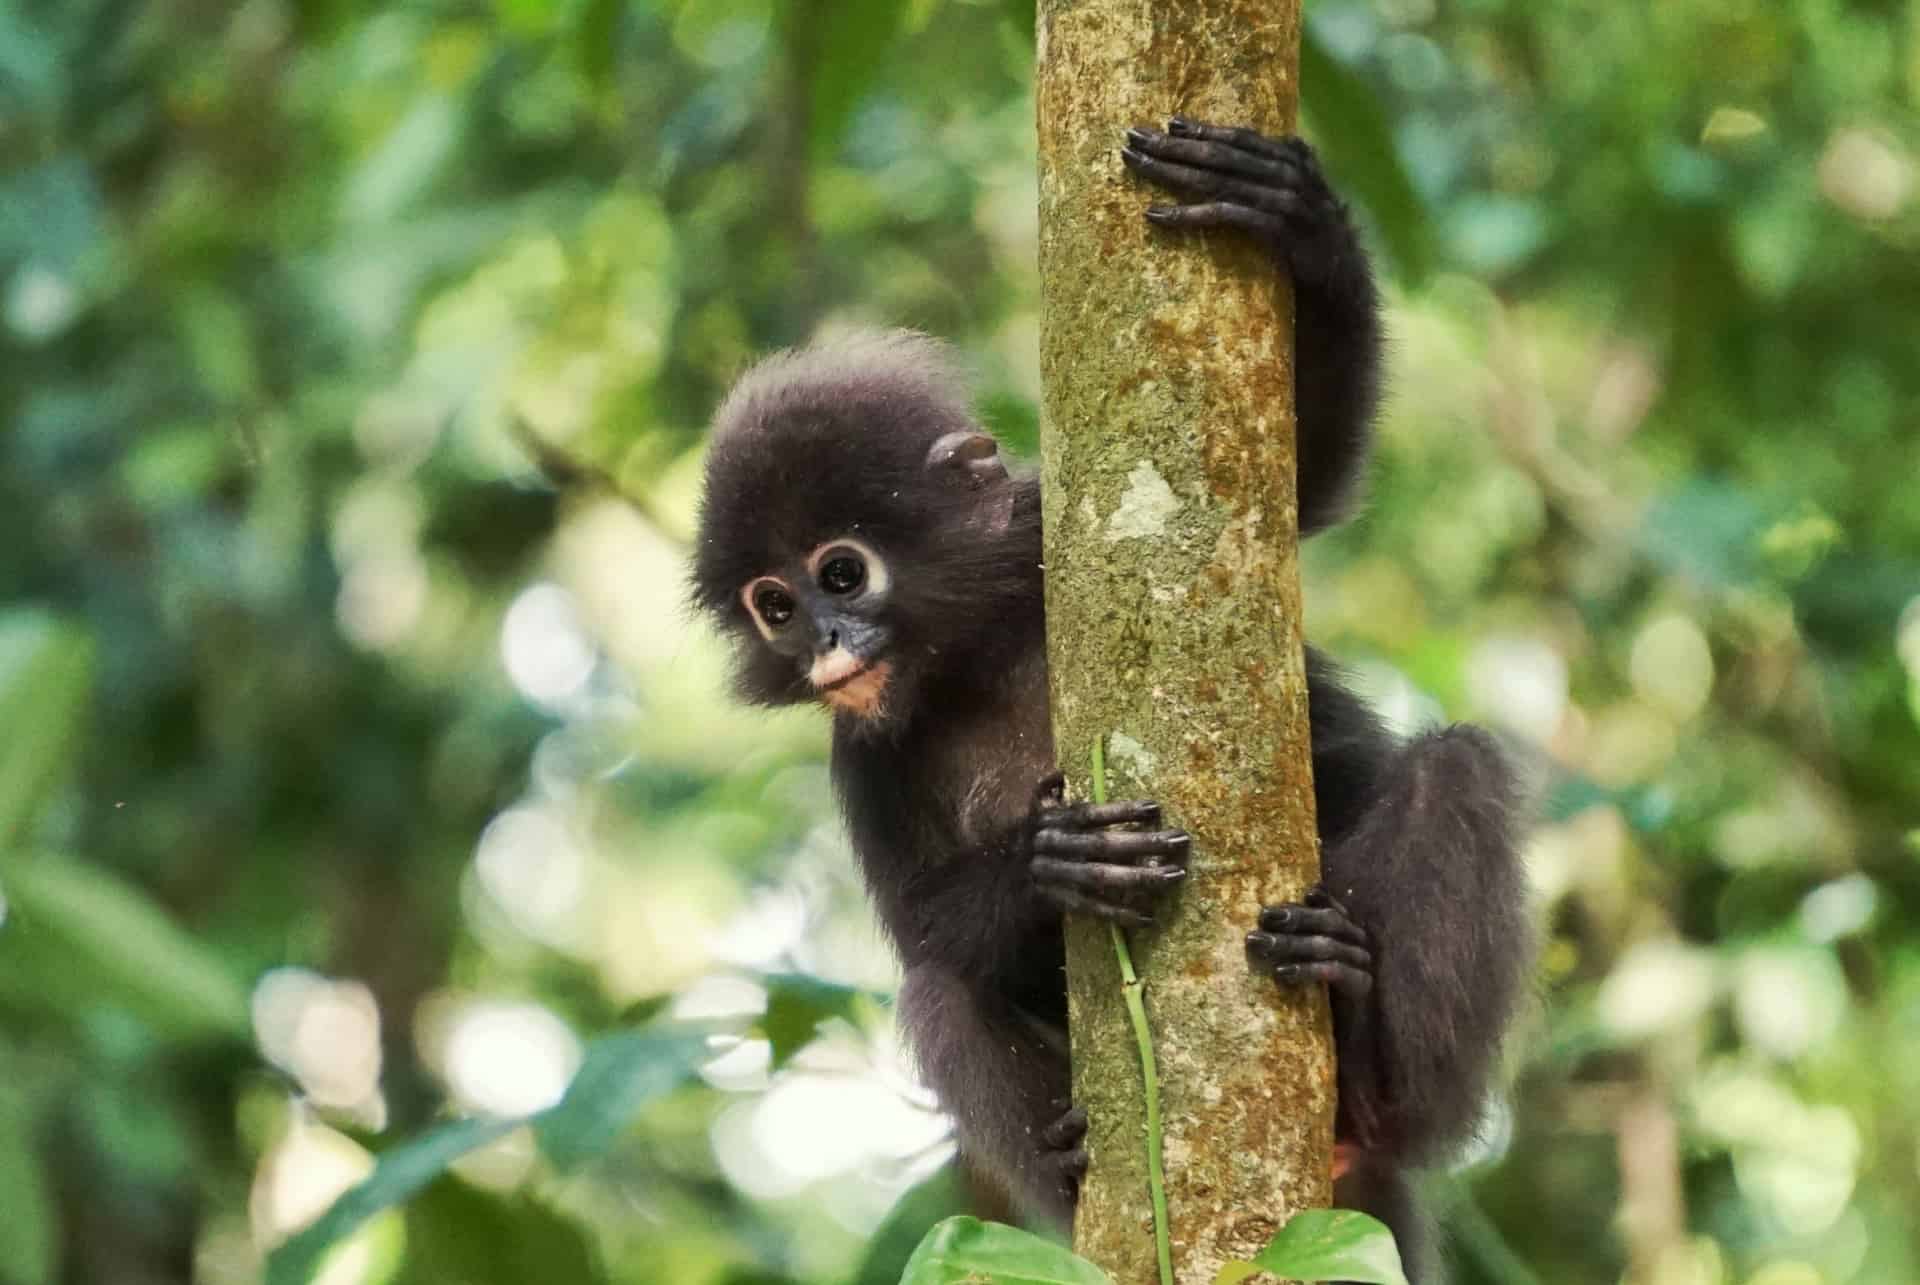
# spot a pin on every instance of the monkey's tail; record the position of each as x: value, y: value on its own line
x: 1375, y: 1187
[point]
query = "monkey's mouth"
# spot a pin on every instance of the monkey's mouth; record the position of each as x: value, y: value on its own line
x: 850, y: 683
x: 846, y: 680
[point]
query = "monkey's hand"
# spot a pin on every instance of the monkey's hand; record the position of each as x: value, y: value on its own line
x: 1088, y: 859
x: 1315, y: 941
x: 1062, y: 1152
x: 1270, y: 188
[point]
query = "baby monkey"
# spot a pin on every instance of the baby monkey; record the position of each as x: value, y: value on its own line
x: 863, y: 540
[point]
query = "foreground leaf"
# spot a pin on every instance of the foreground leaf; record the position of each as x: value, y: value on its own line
x: 966, y: 1251
x: 1325, y: 1245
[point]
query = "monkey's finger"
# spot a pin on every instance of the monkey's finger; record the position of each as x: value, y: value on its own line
x: 1219, y: 214
x: 1283, y: 171
x: 1350, y: 982
x: 1118, y: 880
x: 1251, y: 140
x: 1198, y: 182
x: 1278, y: 949
x: 1326, y: 922
x: 1114, y: 845
x: 1078, y: 903
x: 1083, y: 816
x: 1066, y: 1131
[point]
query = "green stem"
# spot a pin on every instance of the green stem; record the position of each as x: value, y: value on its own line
x: 1149, y: 1072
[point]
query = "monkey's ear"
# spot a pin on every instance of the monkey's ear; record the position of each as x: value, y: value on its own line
x: 969, y: 455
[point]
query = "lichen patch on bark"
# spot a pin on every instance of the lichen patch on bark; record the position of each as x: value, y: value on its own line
x: 1145, y: 506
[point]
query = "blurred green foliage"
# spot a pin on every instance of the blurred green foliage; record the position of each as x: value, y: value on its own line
x: 355, y: 783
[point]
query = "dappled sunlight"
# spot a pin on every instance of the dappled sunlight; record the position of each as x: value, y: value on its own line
x: 499, y: 1057
x: 547, y: 653
x: 536, y: 873
x: 324, y: 1033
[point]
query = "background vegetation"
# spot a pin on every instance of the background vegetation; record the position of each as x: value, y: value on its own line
x: 351, y: 779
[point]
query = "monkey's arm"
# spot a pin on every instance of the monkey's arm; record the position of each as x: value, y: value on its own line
x: 1002, y: 1076
x: 1274, y: 189
x: 1422, y: 933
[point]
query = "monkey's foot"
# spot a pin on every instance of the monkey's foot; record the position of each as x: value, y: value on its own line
x: 1087, y: 860
x: 1315, y: 941
x: 1271, y: 188
x: 1061, y: 1152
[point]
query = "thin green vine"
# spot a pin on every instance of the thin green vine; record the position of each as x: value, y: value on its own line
x: 1132, y: 991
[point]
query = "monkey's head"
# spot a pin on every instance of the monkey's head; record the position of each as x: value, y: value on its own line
x: 859, y: 534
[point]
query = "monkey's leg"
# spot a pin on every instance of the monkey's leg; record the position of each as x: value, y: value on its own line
x: 1002, y: 1075
x: 1274, y: 190
x: 1087, y: 858
x: 1430, y: 888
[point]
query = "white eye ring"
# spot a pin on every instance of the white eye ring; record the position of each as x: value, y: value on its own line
x: 877, y: 577
x: 751, y: 590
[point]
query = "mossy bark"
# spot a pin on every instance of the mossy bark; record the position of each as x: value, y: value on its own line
x: 1173, y: 624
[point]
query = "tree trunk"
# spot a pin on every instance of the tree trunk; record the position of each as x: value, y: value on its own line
x: 1173, y: 625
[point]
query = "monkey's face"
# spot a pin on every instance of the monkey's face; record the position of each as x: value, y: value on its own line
x: 826, y: 612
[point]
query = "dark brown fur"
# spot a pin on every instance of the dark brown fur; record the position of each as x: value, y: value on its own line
x: 1418, y: 836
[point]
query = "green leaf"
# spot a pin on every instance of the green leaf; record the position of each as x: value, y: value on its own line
x: 966, y: 1251
x: 27, y: 1251
x: 1325, y: 1245
x: 400, y: 1174
x: 1708, y: 531
x: 620, y: 1075
x: 459, y: 1233
x: 597, y: 41
x: 797, y: 1004
x: 850, y: 40
x: 86, y: 940
x: 52, y: 213
x: 46, y: 676
x: 907, y: 1224
x: 1355, y: 136
x: 404, y: 165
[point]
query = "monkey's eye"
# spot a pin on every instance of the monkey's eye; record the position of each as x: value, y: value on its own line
x: 773, y: 605
x: 842, y: 573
